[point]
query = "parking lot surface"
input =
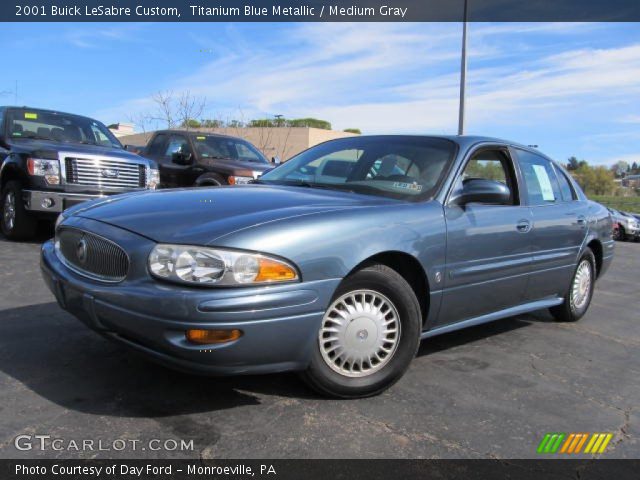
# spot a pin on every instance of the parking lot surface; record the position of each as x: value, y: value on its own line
x: 492, y: 391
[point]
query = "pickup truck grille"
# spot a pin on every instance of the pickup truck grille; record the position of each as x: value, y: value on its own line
x: 91, y: 255
x: 101, y: 173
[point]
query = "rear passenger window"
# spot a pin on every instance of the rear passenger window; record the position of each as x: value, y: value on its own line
x: 565, y: 187
x: 540, y: 179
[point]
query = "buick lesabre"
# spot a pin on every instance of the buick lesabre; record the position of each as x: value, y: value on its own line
x: 336, y: 263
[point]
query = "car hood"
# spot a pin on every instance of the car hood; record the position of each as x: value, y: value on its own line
x: 50, y: 149
x: 200, y: 215
x: 237, y: 165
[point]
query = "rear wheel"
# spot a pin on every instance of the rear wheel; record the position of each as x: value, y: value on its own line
x: 368, y: 337
x: 16, y: 222
x: 578, y: 298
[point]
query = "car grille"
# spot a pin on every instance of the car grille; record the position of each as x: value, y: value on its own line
x: 109, y: 173
x: 92, y: 255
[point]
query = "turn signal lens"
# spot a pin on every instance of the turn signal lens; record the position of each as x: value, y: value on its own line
x: 272, y: 271
x: 207, y: 337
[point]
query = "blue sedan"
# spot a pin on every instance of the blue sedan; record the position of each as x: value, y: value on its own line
x: 336, y: 263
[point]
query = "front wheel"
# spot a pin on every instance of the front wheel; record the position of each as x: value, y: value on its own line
x: 16, y: 222
x: 578, y: 298
x: 368, y: 336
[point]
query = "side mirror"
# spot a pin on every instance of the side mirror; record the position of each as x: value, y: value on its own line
x: 276, y: 160
x: 481, y: 190
x: 133, y: 148
x: 181, y: 158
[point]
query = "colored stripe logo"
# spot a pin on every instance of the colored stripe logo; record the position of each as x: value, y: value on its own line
x: 572, y: 443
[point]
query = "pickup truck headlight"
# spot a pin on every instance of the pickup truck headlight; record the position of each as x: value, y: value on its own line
x: 212, y: 266
x: 49, y: 169
x: 154, y: 178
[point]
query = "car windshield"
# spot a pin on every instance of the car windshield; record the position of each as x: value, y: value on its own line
x: 212, y: 146
x: 399, y: 167
x: 58, y: 127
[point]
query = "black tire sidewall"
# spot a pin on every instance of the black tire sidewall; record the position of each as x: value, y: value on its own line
x: 390, y: 284
x: 24, y: 225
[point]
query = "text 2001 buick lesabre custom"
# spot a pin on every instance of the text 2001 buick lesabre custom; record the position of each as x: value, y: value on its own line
x: 337, y: 262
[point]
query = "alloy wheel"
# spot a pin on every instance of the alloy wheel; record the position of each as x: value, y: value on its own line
x: 581, y: 288
x: 9, y: 211
x: 360, y: 333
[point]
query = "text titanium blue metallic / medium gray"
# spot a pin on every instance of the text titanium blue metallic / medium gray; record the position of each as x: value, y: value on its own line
x: 335, y: 263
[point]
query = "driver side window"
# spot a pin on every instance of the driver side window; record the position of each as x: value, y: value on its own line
x: 177, y: 144
x: 491, y: 164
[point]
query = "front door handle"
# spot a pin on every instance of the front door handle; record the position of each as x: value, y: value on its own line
x: 582, y: 221
x: 523, y: 226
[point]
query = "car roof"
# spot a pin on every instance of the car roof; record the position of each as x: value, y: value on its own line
x: 197, y: 132
x: 26, y: 107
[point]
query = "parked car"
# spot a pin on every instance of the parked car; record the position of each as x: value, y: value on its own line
x: 337, y: 262
x: 626, y: 226
x: 52, y: 160
x: 190, y: 158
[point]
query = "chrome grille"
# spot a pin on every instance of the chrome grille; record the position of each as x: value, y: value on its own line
x: 105, y: 172
x: 91, y: 255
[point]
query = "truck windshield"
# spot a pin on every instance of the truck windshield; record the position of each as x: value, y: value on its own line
x: 58, y: 127
x: 212, y: 146
x: 401, y: 167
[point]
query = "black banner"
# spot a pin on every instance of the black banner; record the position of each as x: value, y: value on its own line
x: 319, y: 469
x: 319, y: 11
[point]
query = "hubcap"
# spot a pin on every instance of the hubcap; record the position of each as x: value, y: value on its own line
x: 9, y: 211
x: 360, y: 333
x: 581, y: 285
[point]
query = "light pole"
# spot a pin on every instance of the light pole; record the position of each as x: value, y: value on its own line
x: 463, y: 71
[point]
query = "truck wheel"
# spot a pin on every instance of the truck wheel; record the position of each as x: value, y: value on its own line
x: 16, y: 222
x: 578, y: 298
x: 368, y: 336
x: 211, y: 180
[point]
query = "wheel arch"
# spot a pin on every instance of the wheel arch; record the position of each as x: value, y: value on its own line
x: 210, y: 179
x: 596, y: 247
x: 409, y: 268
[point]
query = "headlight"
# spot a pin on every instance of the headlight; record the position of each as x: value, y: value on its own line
x: 49, y: 169
x: 234, y: 180
x: 61, y: 218
x: 154, y: 178
x: 212, y: 266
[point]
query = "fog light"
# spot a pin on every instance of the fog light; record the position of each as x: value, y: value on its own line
x: 207, y: 337
x: 47, y: 202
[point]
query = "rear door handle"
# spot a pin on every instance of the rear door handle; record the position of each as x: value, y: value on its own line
x: 523, y: 226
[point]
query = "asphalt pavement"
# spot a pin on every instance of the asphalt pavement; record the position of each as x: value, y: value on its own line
x: 491, y: 391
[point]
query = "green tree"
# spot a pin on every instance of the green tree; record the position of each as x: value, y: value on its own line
x: 595, y: 180
x: 190, y: 123
x: 310, y: 122
x: 353, y: 130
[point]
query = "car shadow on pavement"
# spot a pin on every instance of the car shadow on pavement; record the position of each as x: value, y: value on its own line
x: 58, y: 358
x: 54, y: 355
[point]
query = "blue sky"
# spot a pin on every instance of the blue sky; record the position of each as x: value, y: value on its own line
x: 572, y: 89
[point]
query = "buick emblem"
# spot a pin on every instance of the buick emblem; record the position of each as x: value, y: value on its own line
x: 110, y: 172
x: 81, y: 251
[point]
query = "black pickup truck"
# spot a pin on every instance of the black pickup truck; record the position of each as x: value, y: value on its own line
x: 51, y: 160
x: 191, y: 158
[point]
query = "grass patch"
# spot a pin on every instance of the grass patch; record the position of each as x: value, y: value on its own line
x: 626, y: 204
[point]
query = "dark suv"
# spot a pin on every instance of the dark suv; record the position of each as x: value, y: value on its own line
x: 188, y: 158
x: 53, y: 160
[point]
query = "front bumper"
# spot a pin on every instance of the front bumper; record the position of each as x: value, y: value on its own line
x: 59, y: 201
x: 279, y: 323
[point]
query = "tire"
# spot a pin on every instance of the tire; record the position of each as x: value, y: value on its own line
x: 622, y: 235
x: 383, y: 359
x: 16, y: 222
x: 575, y: 305
x: 617, y: 234
x: 211, y: 180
